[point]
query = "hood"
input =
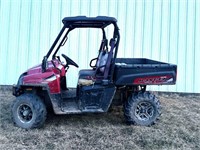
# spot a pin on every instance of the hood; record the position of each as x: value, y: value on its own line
x: 35, y: 69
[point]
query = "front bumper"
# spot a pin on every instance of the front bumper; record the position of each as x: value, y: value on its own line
x: 16, y: 91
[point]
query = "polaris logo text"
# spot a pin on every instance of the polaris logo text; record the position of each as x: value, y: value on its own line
x: 153, y: 80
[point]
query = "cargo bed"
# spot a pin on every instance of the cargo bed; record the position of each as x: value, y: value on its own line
x: 142, y: 71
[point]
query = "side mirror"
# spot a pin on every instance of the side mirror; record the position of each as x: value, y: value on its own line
x: 44, y: 64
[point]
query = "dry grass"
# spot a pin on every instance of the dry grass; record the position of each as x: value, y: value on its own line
x: 178, y: 128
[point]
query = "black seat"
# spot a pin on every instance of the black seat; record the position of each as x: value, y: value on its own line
x: 84, y: 73
x: 102, y: 65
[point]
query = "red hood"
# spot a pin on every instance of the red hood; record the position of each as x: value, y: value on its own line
x: 35, y: 73
x: 51, y: 76
x: 35, y: 69
x: 38, y: 68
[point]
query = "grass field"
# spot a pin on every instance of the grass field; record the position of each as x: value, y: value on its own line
x: 178, y: 128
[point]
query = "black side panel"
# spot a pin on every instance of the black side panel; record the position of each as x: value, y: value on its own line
x: 96, y: 97
x: 56, y: 101
x: 91, y: 97
x: 141, y: 71
x: 108, y: 96
x: 63, y: 83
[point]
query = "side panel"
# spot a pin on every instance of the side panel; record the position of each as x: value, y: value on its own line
x: 147, y: 78
x: 144, y: 72
x: 96, y: 97
x: 51, y: 79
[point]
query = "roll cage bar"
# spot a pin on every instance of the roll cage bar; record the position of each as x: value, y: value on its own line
x: 84, y: 22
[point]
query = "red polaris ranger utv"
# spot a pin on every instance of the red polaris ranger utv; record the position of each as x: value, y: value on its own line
x: 111, y: 80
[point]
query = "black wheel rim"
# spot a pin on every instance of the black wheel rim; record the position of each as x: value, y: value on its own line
x: 144, y: 111
x: 24, y: 113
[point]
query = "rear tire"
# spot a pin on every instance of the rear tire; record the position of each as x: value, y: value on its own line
x: 28, y: 111
x: 142, y: 108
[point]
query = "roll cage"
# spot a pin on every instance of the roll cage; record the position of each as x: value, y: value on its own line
x: 84, y: 22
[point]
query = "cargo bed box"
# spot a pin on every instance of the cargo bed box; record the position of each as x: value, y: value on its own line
x: 142, y: 71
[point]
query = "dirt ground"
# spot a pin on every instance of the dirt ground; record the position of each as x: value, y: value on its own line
x: 178, y: 128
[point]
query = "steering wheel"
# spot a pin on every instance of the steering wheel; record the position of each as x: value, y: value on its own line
x: 69, y: 61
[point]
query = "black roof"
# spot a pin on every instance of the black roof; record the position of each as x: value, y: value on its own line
x: 83, y: 21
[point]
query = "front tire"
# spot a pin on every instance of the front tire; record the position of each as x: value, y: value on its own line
x: 142, y: 108
x: 28, y: 111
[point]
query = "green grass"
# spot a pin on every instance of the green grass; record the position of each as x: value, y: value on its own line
x: 178, y: 128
